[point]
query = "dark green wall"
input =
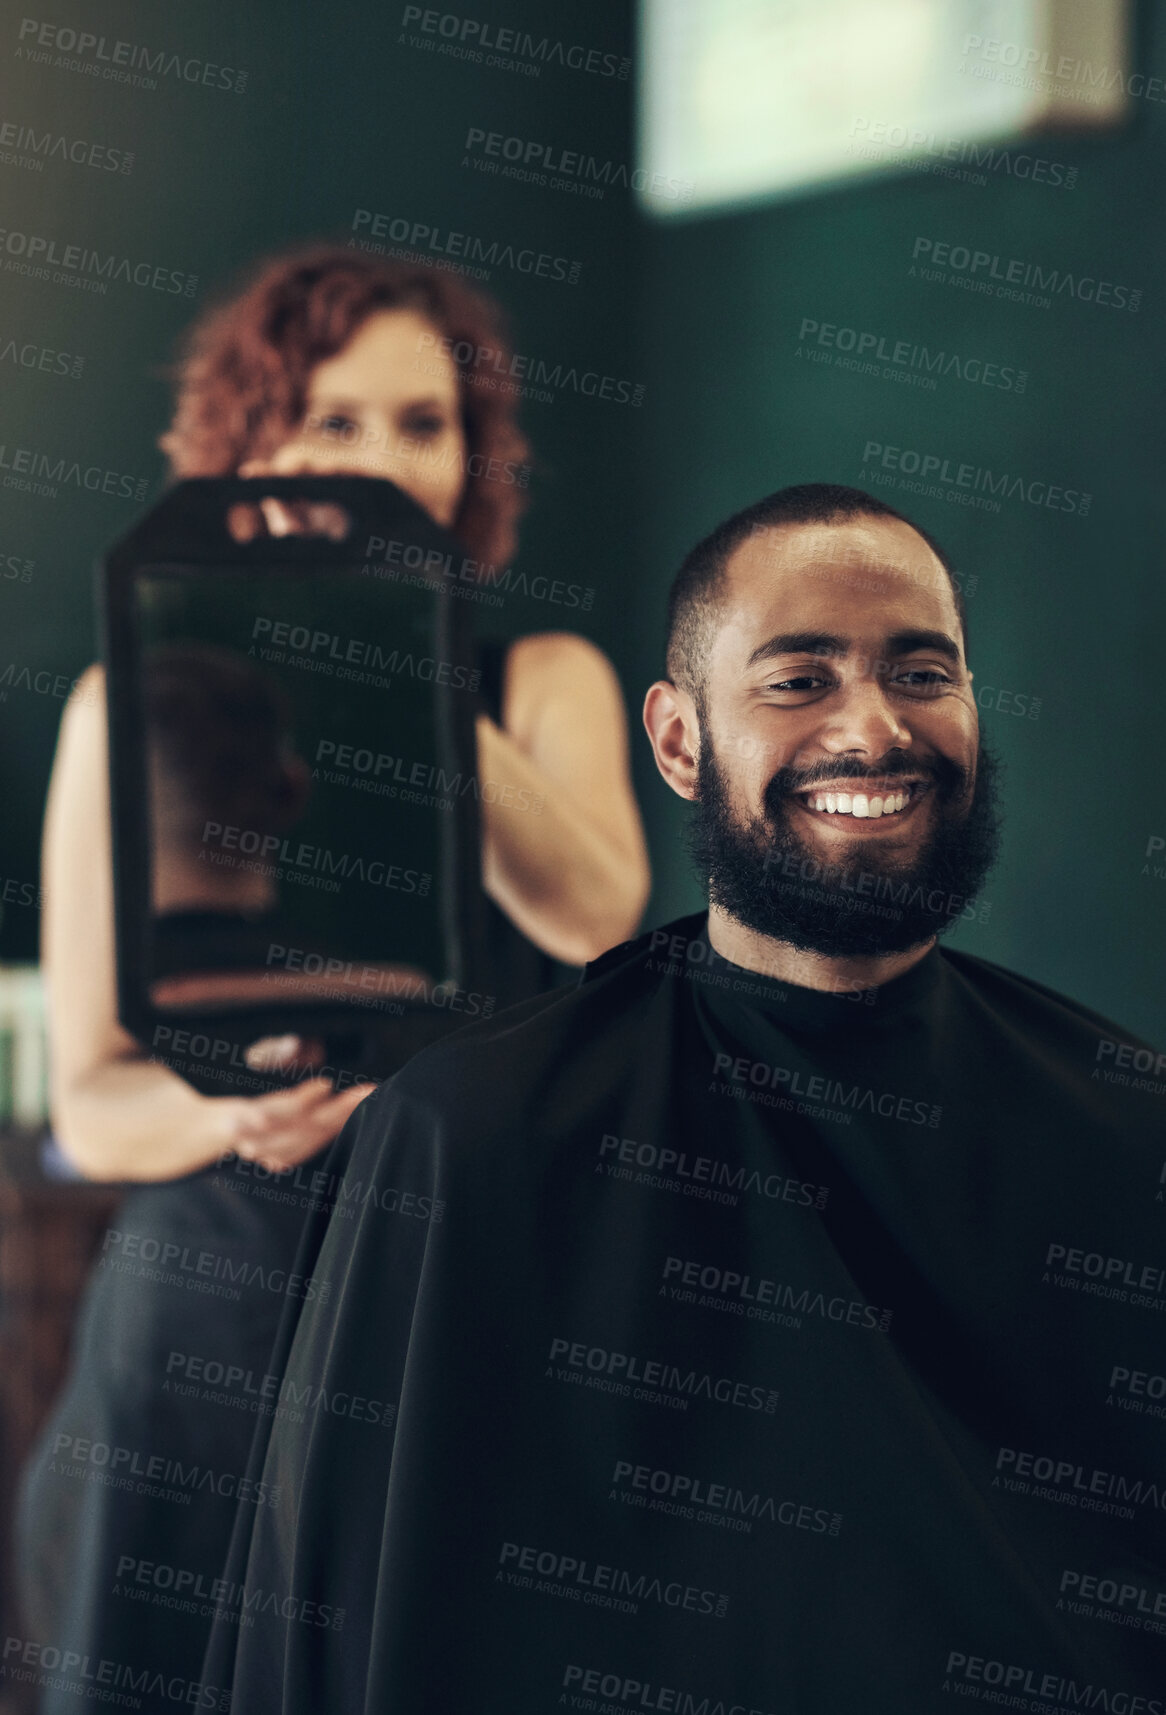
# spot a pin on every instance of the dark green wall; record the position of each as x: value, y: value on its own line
x: 1066, y: 608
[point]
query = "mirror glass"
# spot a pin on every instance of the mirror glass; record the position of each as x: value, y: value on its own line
x: 300, y: 797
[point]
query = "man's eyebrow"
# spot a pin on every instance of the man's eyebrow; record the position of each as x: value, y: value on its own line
x: 832, y: 643
x: 799, y: 643
x: 906, y: 642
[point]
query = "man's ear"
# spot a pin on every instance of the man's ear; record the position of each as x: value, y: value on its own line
x: 671, y: 723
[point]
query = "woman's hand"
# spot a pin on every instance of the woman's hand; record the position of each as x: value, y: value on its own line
x: 286, y: 1127
x: 291, y: 517
x: 283, y: 1053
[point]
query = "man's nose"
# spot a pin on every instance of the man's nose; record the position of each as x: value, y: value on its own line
x: 863, y: 718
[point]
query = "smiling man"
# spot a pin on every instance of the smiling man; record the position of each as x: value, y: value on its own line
x: 773, y: 1322
x: 820, y: 711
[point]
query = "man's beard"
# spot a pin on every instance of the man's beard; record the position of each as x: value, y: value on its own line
x: 863, y: 903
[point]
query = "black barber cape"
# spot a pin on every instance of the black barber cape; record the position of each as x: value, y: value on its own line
x: 746, y: 1348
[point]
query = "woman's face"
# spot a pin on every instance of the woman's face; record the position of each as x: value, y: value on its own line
x: 373, y: 410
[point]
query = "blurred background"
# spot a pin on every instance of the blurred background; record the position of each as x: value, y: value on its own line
x: 692, y: 293
x: 914, y: 246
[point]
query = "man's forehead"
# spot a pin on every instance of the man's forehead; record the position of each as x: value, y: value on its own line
x: 850, y: 578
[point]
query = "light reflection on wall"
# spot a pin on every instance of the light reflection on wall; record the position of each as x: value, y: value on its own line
x: 743, y: 99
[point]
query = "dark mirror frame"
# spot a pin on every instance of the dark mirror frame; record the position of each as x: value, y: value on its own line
x: 185, y: 534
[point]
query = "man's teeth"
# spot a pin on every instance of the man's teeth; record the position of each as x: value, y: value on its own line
x: 858, y: 804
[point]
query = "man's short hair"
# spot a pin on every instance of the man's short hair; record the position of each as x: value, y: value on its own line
x: 693, y: 600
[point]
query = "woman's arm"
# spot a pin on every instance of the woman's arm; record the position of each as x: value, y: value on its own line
x: 116, y: 1115
x: 573, y: 873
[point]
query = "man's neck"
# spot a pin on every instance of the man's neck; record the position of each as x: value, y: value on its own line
x: 773, y: 958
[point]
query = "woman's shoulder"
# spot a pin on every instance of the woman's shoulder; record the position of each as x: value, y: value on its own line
x: 545, y: 653
x: 549, y: 668
x: 538, y: 646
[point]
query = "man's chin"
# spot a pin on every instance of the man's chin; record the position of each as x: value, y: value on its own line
x: 846, y: 895
x: 845, y: 855
x: 850, y: 911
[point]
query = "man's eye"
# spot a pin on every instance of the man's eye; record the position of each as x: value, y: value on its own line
x: 336, y: 425
x: 921, y: 678
x: 803, y: 682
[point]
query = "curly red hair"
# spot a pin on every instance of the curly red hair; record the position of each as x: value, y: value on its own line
x: 242, y: 380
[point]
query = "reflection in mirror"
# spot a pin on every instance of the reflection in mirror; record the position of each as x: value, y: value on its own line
x: 296, y: 787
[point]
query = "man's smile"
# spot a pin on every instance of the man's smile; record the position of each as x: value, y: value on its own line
x: 894, y: 799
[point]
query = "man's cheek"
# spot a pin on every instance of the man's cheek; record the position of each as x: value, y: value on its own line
x: 966, y: 700
x: 743, y: 748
